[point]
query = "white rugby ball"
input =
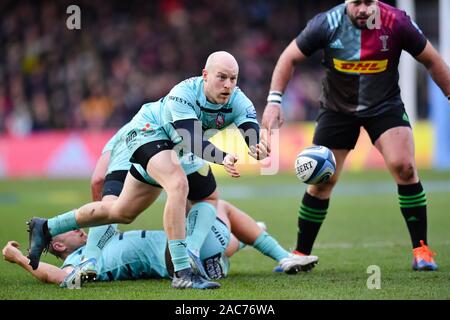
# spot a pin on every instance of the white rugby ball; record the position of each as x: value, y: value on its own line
x: 315, y: 165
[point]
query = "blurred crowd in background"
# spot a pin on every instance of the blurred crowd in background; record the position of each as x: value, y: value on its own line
x: 131, y: 52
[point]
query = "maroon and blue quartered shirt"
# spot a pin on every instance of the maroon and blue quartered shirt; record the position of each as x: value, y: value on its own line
x: 362, y: 64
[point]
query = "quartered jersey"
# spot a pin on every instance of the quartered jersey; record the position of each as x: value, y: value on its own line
x: 361, y: 64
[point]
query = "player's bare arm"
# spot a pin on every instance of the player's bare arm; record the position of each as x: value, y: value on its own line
x: 45, y: 272
x: 436, y: 66
x: 273, y: 116
x: 98, y: 177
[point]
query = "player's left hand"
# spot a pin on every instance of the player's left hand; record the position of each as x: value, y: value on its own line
x: 11, y: 252
x: 260, y: 151
x: 229, y: 164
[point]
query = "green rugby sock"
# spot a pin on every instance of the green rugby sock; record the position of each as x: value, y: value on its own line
x: 413, y: 204
x: 311, y: 214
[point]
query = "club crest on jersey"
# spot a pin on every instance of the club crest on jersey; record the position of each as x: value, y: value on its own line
x: 220, y: 120
x: 384, y: 40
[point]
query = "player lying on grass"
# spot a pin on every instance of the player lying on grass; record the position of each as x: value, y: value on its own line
x: 160, y: 132
x: 141, y: 254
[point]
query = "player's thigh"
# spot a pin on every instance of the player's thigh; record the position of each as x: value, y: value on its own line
x: 397, y: 147
x: 340, y: 155
x: 165, y: 168
x: 323, y: 190
x: 335, y: 130
x: 113, y: 184
x: 339, y: 132
x: 203, y: 185
x: 392, y: 135
x: 135, y: 197
x: 161, y: 164
x: 223, y: 210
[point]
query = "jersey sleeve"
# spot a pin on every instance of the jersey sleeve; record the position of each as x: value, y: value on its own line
x: 73, y: 259
x: 413, y: 40
x: 112, y: 142
x: 314, y: 36
x: 180, y: 103
x: 244, y: 111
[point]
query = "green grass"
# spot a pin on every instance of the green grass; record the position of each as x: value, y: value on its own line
x: 364, y: 227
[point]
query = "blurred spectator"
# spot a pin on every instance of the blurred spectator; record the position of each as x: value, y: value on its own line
x: 128, y: 53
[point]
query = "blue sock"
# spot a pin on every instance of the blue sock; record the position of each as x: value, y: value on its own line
x: 98, y: 237
x: 179, y: 254
x: 269, y: 246
x: 199, y: 221
x: 62, y: 223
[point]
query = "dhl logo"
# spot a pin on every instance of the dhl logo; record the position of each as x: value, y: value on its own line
x: 368, y: 66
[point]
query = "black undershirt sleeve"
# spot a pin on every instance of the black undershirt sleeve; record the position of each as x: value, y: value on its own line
x: 193, y: 141
x: 250, y: 132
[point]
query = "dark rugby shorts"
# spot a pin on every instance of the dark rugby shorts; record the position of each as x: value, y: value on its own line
x: 200, y: 186
x: 113, y: 184
x: 337, y: 130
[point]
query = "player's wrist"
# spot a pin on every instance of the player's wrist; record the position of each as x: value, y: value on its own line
x: 275, y: 97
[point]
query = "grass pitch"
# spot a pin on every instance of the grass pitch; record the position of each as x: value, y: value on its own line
x: 363, y: 227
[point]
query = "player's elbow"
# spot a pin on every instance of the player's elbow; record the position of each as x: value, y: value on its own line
x: 97, y: 182
x: 56, y: 278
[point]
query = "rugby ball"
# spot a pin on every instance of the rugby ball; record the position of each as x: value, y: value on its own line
x: 315, y: 165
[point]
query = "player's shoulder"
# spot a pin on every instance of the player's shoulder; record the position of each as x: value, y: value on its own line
x: 388, y: 9
x: 330, y: 19
x: 239, y: 98
x: 124, y: 129
x: 394, y: 17
x: 189, y: 84
x: 185, y: 91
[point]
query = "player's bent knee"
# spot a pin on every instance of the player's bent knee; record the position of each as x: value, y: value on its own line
x: 322, y: 190
x: 178, y: 185
x: 123, y: 215
x: 405, y: 170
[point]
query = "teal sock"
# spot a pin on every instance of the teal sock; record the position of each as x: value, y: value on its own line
x: 241, y: 245
x: 62, y: 223
x: 98, y: 237
x: 179, y: 254
x: 269, y: 246
x: 200, y: 219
